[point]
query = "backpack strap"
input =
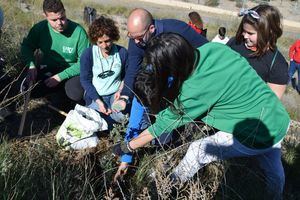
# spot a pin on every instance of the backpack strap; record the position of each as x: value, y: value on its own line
x: 273, y: 60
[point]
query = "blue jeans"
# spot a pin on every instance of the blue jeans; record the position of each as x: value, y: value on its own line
x: 138, y: 121
x: 293, y: 67
x: 221, y: 146
x: 114, y: 116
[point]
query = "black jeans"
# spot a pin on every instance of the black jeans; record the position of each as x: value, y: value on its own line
x: 74, y: 89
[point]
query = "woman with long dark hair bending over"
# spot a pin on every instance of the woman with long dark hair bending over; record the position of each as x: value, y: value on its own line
x: 217, y: 85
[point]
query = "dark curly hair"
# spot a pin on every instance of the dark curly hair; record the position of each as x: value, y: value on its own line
x: 103, y: 26
x: 53, y: 6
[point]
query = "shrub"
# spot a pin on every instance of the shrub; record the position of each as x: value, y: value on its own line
x: 212, y: 3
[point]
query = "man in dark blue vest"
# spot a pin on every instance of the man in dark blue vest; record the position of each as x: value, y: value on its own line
x: 141, y: 28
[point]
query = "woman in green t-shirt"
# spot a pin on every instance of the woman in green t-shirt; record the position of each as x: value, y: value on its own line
x: 217, y: 85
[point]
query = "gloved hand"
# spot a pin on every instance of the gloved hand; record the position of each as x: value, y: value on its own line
x: 121, y: 149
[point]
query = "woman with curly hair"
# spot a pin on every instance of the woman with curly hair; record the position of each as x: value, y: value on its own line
x: 102, y: 68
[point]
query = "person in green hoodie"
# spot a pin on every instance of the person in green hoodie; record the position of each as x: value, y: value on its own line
x: 215, y: 84
x: 60, y: 42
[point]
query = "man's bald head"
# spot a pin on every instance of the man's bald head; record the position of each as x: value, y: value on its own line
x: 139, y: 20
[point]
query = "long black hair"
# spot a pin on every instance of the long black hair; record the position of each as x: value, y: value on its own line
x: 169, y: 60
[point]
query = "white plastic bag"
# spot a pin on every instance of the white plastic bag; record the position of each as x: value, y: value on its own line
x: 78, y: 129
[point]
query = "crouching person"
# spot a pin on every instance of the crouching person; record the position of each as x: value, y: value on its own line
x: 217, y: 85
x: 141, y: 28
x: 102, y: 68
x: 60, y: 42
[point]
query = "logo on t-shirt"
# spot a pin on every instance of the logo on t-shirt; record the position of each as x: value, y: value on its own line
x: 67, y: 49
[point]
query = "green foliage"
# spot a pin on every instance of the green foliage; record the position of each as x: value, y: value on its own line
x: 16, y: 25
x: 118, y: 131
x: 291, y: 153
x: 112, y: 10
x: 38, y: 169
x: 293, y: 114
x: 291, y: 161
x: 212, y: 3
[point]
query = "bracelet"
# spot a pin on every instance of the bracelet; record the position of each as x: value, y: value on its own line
x: 129, y: 147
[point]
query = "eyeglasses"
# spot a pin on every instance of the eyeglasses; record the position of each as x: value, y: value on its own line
x: 140, y: 37
x: 252, y: 13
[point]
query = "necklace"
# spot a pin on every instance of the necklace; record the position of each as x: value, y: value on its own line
x: 107, y: 73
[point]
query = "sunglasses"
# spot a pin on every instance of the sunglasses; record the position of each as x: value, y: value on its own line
x: 252, y: 13
x: 106, y: 74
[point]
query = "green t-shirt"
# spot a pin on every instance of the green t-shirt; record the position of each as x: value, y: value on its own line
x: 227, y: 94
x: 61, y: 51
